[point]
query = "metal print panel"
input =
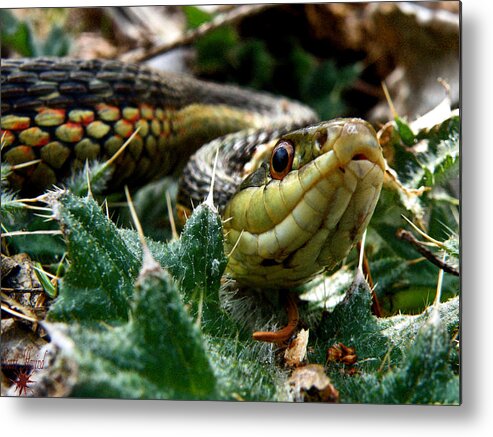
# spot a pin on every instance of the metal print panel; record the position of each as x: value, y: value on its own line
x: 236, y: 203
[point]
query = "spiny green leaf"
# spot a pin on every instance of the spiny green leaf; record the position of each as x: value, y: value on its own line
x: 175, y: 351
x: 10, y: 206
x: 99, y: 282
x: 94, y: 177
x: 401, y: 359
x: 442, y: 154
x: 424, y: 376
x: 200, y: 252
x: 352, y: 323
x: 158, y: 353
x: 153, y: 348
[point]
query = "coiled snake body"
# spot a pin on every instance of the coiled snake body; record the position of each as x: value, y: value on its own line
x: 294, y: 199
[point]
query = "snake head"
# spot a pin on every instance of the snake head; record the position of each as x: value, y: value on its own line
x: 306, y: 204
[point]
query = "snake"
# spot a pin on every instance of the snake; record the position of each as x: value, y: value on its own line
x: 295, y: 193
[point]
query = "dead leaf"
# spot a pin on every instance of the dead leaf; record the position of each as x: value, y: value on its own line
x: 310, y: 384
x: 295, y: 353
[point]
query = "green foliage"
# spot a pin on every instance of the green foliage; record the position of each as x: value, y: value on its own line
x: 442, y: 157
x: 434, y: 156
x: 133, y: 332
x: 15, y: 217
x: 21, y: 37
x: 100, y: 280
x: 405, y: 132
x: 10, y: 206
x: 153, y: 349
x: 401, y: 359
x: 323, y: 87
x: 214, y: 49
x: 403, y: 283
x: 195, y: 16
x: 200, y: 253
x: 94, y: 177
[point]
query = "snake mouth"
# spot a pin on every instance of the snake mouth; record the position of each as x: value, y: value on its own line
x: 354, y: 140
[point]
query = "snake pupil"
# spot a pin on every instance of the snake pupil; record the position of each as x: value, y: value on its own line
x: 282, y: 159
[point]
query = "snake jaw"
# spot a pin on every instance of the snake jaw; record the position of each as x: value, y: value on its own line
x: 292, y: 229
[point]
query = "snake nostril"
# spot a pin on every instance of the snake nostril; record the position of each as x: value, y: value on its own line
x: 321, y: 138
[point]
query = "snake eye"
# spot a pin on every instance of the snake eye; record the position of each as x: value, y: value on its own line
x: 282, y: 159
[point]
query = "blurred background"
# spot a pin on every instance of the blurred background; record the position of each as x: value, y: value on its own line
x: 331, y: 56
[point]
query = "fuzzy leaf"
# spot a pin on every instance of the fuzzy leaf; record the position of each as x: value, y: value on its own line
x: 100, y: 279
x: 152, y: 349
x: 401, y: 359
x: 157, y: 354
x: 200, y: 253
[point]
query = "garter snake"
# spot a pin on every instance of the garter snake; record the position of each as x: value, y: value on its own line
x: 295, y: 194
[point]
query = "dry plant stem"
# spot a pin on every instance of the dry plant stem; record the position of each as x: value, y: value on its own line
x: 22, y: 290
x: 24, y: 312
x: 190, y: 36
x: 402, y: 234
x: 285, y: 333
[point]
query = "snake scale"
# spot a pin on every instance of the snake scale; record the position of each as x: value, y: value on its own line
x: 295, y: 194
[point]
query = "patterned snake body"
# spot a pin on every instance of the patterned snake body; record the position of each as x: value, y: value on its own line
x: 294, y: 199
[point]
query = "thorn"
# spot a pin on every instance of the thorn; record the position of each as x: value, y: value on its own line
x: 41, y: 198
x: 121, y: 149
x: 105, y: 203
x: 236, y: 244
x: 135, y: 218
x: 171, y: 217
x: 2, y: 140
x: 227, y: 220
x: 361, y: 252
x: 17, y: 233
x: 389, y: 100
x: 46, y: 217
x: 423, y: 234
x: 200, y: 308
x: 88, y: 179
x: 25, y: 164
x: 439, y: 285
x: 210, y: 197
x: 148, y: 262
x: 33, y: 207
